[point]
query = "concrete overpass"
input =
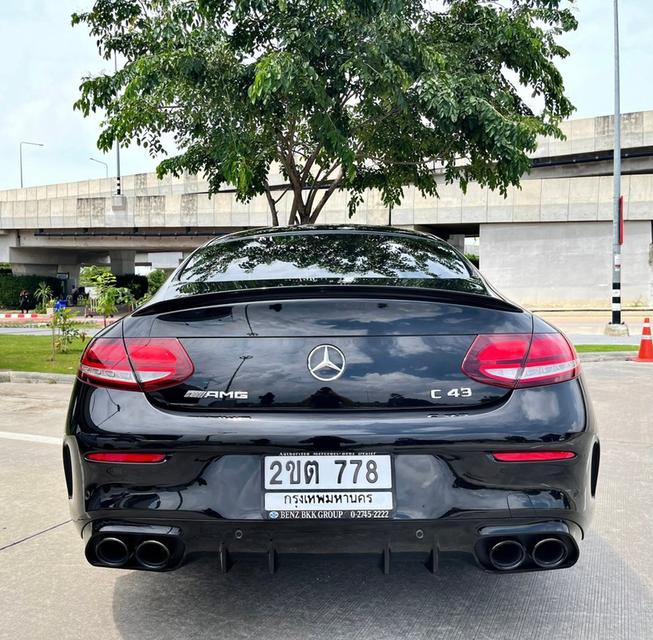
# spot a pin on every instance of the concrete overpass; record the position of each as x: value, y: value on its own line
x: 545, y: 245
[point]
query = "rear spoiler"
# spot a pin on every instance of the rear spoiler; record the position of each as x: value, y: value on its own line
x: 276, y: 294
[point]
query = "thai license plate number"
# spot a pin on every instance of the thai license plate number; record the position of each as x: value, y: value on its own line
x: 328, y: 486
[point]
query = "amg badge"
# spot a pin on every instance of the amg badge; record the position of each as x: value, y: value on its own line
x: 218, y: 395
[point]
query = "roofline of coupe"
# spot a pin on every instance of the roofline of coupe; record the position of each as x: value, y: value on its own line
x: 312, y: 229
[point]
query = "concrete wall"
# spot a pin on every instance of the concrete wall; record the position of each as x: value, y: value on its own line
x: 558, y: 265
x: 585, y: 135
x: 549, y: 200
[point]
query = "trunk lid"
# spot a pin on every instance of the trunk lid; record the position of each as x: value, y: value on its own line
x: 330, y: 353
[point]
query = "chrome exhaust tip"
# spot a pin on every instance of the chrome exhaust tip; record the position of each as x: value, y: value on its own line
x: 507, y: 555
x: 549, y: 553
x: 152, y: 554
x: 111, y: 552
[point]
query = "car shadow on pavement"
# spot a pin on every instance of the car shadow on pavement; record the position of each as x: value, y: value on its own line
x: 349, y: 597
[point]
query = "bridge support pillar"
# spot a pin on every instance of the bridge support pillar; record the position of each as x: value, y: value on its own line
x: 8, y: 239
x: 122, y: 262
x: 457, y: 240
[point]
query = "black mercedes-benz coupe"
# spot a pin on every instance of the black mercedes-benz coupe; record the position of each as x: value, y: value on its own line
x: 331, y: 390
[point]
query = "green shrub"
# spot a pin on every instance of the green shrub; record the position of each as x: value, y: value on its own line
x: 11, y: 286
x: 472, y: 258
x: 155, y: 279
x: 138, y: 285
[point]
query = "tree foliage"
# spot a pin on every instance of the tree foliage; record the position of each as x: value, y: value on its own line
x: 340, y: 94
x: 65, y: 331
x: 155, y: 280
x: 43, y: 296
x: 88, y: 275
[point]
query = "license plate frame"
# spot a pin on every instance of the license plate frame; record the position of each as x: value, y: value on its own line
x: 323, y: 497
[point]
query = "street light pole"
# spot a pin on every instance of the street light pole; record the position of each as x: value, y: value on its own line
x: 106, y: 166
x: 33, y: 144
x: 617, y: 203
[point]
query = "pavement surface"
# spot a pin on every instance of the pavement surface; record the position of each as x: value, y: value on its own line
x: 588, y: 327
x: 48, y: 591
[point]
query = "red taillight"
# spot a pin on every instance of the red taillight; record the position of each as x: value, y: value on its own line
x: 533, y: 456
x: 126, y: 458
x: 521, y: 360
x: 159, y: 362
x: 105, y: 363
x: 135, y: 363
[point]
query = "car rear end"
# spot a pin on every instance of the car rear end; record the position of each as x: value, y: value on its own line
x: 309, y: 413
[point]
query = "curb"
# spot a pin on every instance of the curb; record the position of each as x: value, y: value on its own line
x: 606, y: 356
x: 34, y: 377
x: 26, y: 316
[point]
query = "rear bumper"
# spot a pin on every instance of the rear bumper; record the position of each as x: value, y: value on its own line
x: 450, y: 492
x: 425, y: 540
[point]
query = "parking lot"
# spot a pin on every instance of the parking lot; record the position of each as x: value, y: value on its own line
x: 48, y: 591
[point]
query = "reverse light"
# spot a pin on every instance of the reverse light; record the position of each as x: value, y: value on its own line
x: 135, y: 364
x: 533, y: 456
x: 521, y: 360
x: 125, y: 458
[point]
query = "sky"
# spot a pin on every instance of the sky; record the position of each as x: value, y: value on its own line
x: 43, y: 59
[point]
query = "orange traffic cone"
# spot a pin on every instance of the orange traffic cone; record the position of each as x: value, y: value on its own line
x: 646, y: 345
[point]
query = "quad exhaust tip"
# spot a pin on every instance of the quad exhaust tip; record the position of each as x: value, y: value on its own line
x: 112, y: 552
x: 549, y: 553
x: 507, y: 555
x: 149, y: 554
x: 152, y: 554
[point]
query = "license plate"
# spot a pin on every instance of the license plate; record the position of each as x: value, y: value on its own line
x: 328, y: 486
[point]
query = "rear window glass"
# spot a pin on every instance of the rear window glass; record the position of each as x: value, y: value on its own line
x: 333, y: 258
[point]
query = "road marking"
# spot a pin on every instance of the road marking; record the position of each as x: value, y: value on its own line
x: 33, y: 535
x: 29, y: 437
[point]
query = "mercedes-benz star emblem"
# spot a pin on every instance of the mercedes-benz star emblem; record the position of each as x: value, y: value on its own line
x: 326, y: 363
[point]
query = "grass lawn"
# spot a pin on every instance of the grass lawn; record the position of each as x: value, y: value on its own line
x: 592, y: 348
x: 33, y: 353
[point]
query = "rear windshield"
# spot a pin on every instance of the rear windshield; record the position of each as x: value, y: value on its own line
x: 330, y: 258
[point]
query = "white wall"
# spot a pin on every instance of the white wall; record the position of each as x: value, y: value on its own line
x: 567, y: 264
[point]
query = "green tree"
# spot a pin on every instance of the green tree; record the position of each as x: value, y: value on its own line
x: 88, y: 275
x: 108, y: 295
x: 341, y: 94
x: 64, y: 331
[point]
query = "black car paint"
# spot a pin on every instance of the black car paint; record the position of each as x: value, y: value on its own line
x: 451, y: 494
x: 262, y: 347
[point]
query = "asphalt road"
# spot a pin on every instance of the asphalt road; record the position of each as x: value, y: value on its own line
x: 48, y: 591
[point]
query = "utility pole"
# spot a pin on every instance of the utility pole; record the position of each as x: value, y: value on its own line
x: 616, y: 327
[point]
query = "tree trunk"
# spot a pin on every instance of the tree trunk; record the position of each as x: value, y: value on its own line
x: 307, y: 203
